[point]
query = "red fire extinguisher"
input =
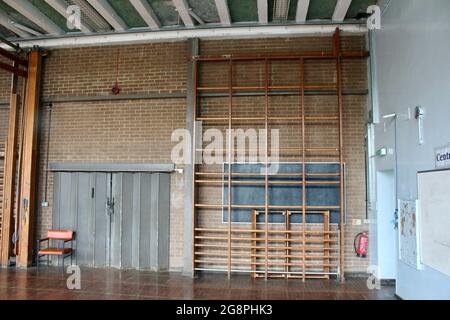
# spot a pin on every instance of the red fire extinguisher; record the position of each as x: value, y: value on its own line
x: 361, y: 242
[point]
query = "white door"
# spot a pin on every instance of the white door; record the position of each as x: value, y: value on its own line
x: 387, y: 248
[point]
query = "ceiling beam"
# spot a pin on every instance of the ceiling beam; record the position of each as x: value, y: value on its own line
x: 147, y: 13
x: 5, y: 21
x: 234, y: 32
x: 341, y: 10
x: 35, y: 15
x: 61, y: 7
x: 223, y: 11
x: 263, y: 11
x: 109, y: 14
x: 196, y: 17
x: 182, y: 8
x: 302, y: 10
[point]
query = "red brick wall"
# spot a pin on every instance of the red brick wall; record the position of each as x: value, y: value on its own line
x: 139, y: 130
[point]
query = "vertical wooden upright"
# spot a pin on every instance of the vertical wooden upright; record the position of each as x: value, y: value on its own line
x: 287, y: 224
x: 266, y: 166
x: 29, y: 157
x: 303, y: 148
x: 10, y: 174
x: 254, y: 245
x: 230, y: 154
x: 326, y: 243
x: 337, y: 55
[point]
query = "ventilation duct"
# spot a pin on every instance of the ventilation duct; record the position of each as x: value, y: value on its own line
x: 280, y: 10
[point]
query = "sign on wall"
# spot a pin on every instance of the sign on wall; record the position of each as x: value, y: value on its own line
x: 409, y: 249
x: 434, y: 210
x: 443, y: 157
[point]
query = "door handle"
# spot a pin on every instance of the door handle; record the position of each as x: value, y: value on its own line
x: 110, y: 206
x: 395, y: 220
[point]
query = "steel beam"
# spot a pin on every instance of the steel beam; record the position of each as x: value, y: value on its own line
x: 35, y: 15
x: 341, y: 10
x: 109, y: 14
x: 263, y: 12
x: 302, y: 10
x: 147, y: 13
x: 223, y: 11
x: 5, y: 21
x: 183, y: 10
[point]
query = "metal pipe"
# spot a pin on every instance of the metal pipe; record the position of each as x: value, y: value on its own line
x: 47, y: 163
x: 149, y: 36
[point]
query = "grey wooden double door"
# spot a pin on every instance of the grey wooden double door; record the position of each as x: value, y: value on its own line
x: 121, y: 219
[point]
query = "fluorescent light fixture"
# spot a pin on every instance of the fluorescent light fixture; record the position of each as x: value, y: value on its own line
x: 25, y: 28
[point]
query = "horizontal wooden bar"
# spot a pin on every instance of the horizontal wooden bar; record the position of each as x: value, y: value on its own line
x: 279, y: 149
x: 234, y: 206
x: 284, y: 56
x: 292, y: 264
x: 320, y: 232
x: 223, y: 118
x: 276, y: 256
x: 11, y: 56
x: 273, y: 273
x: 249, y: 182
x: 264, y: 239
x: 252, y: 174
x: 13, y: 70
x: 279, y: 248
x: 263, y: 89
x: 318, y: 277
x: 285, y: 93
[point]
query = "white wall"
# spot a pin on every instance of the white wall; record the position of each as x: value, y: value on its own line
x: 412, y: 57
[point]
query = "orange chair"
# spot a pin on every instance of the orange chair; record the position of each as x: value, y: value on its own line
x: 53, y: 236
